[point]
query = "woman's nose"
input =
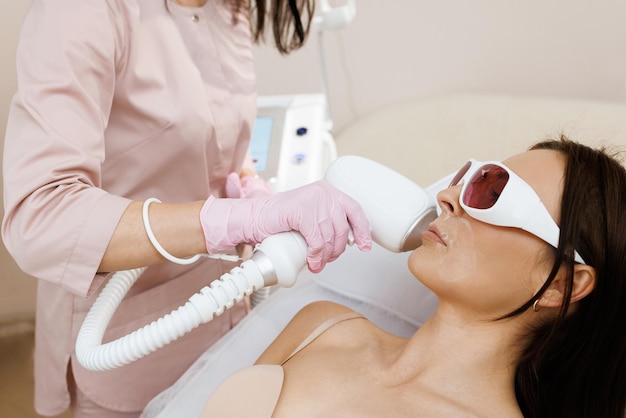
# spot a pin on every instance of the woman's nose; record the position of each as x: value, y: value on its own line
x: 448, y: 200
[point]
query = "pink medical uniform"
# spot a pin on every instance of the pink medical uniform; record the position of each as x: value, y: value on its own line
x: 119, y: 100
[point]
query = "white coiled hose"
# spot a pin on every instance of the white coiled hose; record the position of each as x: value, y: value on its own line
x: 287, y: 253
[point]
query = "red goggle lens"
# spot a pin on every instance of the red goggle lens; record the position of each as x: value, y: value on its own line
x: 483, y: 189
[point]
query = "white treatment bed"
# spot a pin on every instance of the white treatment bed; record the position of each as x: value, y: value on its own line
x: 425, y: 140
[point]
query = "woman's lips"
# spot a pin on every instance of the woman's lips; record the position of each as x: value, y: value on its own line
x: 433, y: 234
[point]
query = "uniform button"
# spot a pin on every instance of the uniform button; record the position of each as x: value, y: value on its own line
x: 195, y: 18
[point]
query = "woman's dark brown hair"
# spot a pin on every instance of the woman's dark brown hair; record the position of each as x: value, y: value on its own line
x: 576, y: 365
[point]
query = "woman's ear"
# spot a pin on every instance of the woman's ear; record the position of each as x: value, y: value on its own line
x: 584, y: 283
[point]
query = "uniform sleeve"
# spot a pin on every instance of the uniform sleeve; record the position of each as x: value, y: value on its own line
x: 58, y: 221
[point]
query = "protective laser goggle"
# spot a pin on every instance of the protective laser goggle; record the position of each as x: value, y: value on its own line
x: 496, y: 195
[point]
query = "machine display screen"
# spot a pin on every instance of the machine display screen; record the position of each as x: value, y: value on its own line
x: 260, y: 142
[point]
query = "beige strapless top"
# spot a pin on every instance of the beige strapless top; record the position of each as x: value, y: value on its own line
x: 254, y: 391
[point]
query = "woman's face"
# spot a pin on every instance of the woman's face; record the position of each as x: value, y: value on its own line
x: 487, y: 269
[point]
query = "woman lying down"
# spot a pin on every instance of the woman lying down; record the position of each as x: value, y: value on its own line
x: 531, y: 316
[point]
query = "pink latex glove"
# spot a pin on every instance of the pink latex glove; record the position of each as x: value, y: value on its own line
x: 246, y: 186
x: 319, y: 211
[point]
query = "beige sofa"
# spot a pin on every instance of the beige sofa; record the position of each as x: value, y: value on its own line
x: 427, y: 139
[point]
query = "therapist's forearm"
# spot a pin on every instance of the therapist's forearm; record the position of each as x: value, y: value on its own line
x: 175, y: 225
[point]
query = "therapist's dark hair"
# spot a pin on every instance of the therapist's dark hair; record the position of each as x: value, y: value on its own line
x: 576, y: 366
x: 290, y: 20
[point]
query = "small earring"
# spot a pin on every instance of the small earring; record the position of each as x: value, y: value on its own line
x: 535, y: 307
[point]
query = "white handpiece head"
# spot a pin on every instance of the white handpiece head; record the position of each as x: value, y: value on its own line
x: 398, y: 209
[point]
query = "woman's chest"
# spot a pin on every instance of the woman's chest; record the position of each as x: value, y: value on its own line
x: 363, y: 383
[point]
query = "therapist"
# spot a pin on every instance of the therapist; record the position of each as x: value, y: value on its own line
x: 120, y: 101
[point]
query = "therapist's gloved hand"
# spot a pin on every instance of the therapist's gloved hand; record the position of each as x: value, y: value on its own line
x: 241, y: 187
x: 320, y: 212
x: 245, y: 187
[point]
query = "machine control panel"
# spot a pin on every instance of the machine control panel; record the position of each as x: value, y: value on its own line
x: 290, y: 143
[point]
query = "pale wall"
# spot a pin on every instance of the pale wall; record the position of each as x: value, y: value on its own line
x: 401, y: 49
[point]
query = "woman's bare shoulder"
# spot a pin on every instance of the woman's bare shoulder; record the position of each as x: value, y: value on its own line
x: 302, y: 324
